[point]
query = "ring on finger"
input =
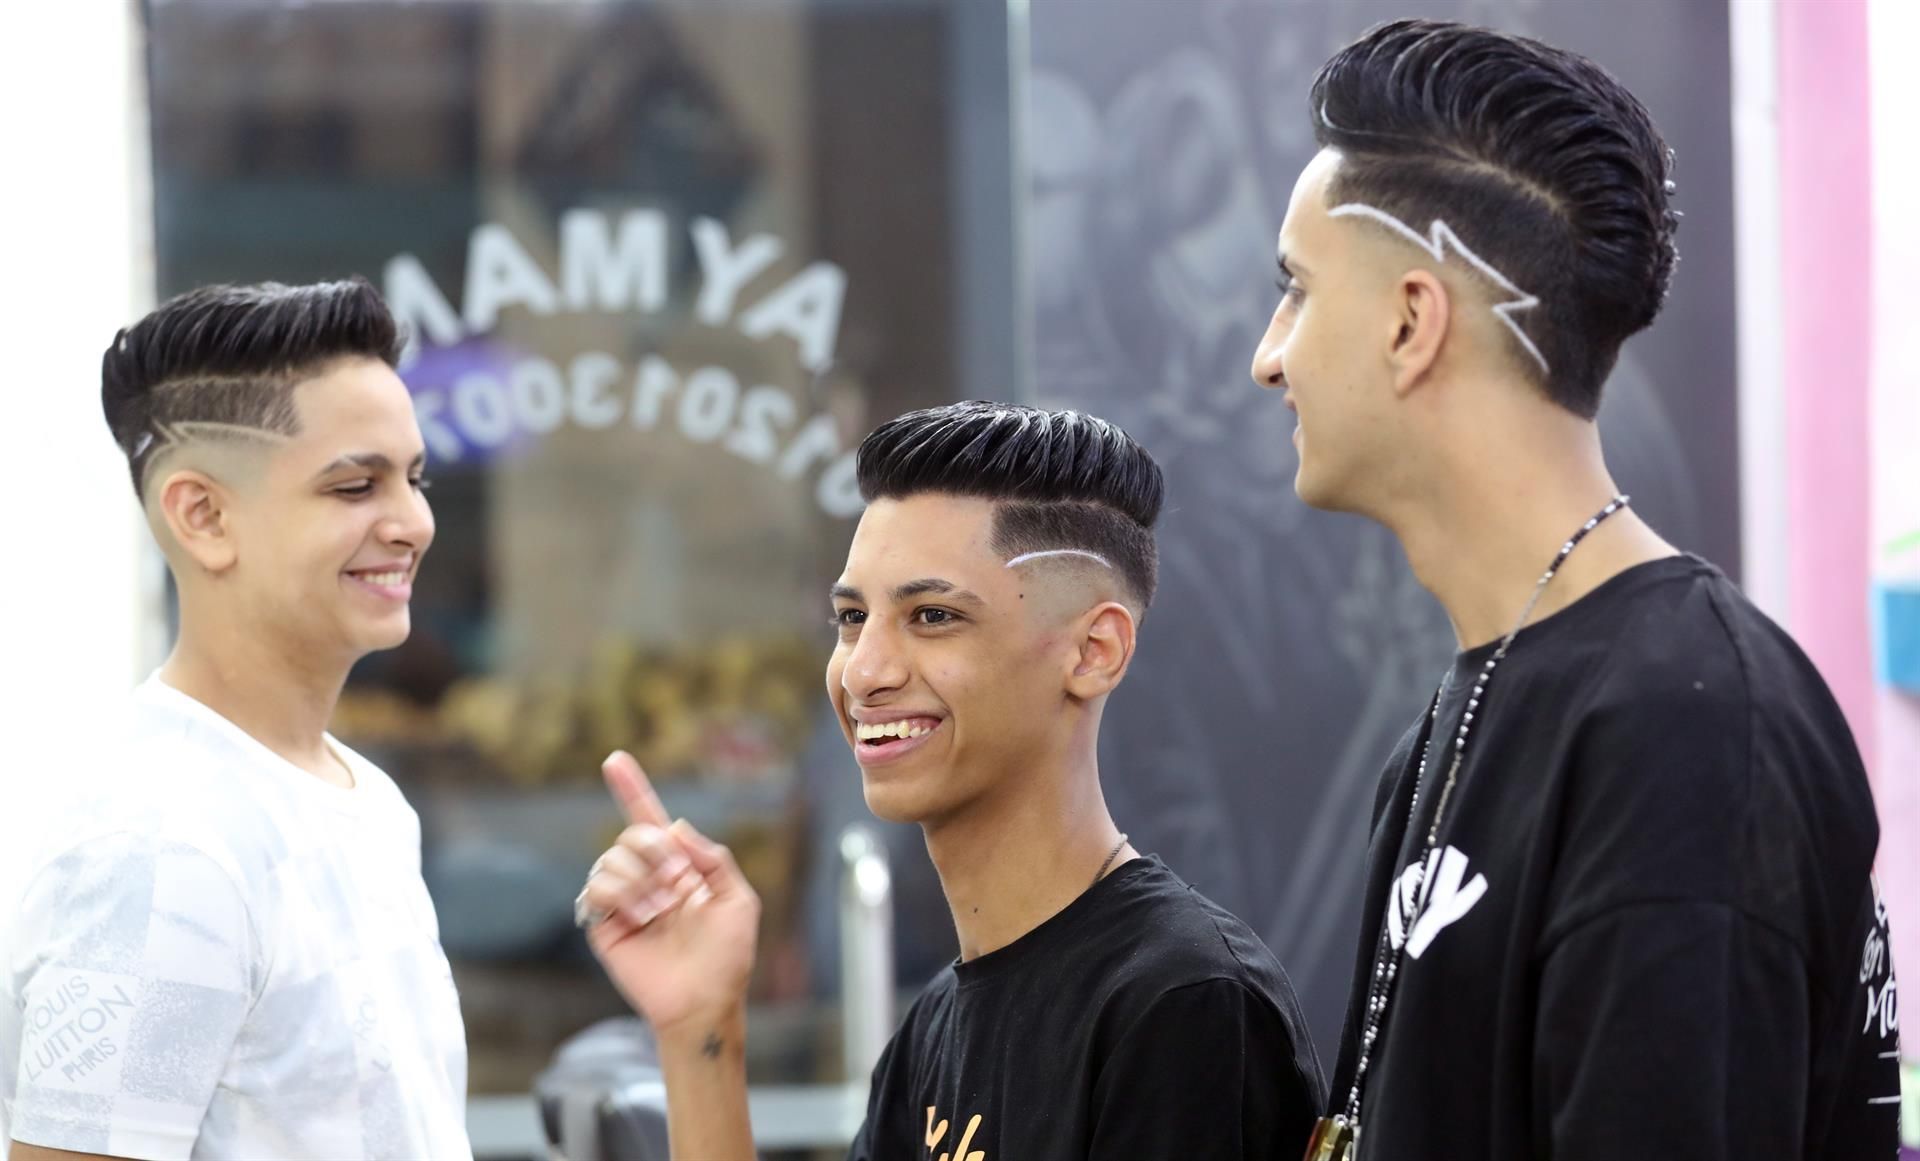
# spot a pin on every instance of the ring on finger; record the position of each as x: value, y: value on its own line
x: 585, y: 915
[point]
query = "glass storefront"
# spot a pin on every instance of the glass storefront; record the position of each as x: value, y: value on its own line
x: 664, y: 264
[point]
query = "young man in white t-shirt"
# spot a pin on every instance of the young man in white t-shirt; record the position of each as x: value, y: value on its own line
x: 222, y: 947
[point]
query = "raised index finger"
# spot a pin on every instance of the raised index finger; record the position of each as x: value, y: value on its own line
x: 632, y: 791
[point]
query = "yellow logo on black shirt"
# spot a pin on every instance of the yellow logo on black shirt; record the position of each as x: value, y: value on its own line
x: 936, y: 1133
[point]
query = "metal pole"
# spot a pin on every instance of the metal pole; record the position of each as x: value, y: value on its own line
x: 866, y: 950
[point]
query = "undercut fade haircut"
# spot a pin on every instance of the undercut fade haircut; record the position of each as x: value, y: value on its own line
x: 1538, y: 159
x: 1059, y: 480
x: 221, y: 362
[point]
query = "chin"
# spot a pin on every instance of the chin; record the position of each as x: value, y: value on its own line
x: 388, y: 633
x: 901, y: 800
x: 891, y: 803
x: 1310, y: 495
x: 1315, y: 491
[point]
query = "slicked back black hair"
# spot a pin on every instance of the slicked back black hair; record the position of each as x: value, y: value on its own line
x: 1060, y: 479
x: 1543, y: 164
x: 229, y: 357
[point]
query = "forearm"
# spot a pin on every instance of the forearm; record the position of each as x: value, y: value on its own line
x: 705, y: 1063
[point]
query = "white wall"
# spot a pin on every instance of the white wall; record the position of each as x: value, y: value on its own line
x: 79, y: 581
x: 1760, y: 305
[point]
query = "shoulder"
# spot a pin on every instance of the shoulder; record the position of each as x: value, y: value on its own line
x: 1194, y: 974
x: 1688, y: 635
x: 1178, y: 938
x: 1707, y: 761
x: 1699, y: 693
x: 136, y: 904
x: 151, y: 786
x: 128, y: 874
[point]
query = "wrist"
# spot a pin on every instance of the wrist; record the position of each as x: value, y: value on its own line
x: 710, y: 1033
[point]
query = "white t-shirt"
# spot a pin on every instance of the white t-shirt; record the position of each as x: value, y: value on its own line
x: 214, y: 954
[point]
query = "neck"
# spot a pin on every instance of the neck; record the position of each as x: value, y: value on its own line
x: 1480, y: 534
x: 257, y: 683
x: 1010, y: 862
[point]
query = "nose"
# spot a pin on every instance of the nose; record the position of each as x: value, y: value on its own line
x: 1268, y: 369
x: 874, y: 663
x: 409, y: 523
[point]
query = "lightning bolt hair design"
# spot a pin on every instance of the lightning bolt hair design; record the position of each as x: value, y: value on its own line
x: 1440, y: 239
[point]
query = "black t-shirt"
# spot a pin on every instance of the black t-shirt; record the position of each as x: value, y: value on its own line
x: 1653, y: 930
x: 1141, y: 1021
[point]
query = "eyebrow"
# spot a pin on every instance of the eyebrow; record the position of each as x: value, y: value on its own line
x: 372, y: 461
x: 912, y: 589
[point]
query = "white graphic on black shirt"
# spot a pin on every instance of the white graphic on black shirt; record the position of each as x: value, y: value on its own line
x: 1434, y: 897
x: 1876, y: 972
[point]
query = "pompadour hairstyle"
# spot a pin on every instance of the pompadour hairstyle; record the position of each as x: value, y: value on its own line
x: 1537, y: 158
x: 1060, y: 479
x: 222, y: 362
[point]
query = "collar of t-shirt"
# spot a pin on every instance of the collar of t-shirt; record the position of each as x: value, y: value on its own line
x: 1057, y: 932
x: 157, y: 694
x: 1599, y: 603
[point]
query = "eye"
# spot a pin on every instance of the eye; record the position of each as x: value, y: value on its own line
x: 844, y: 618
x: 356, y: 490
x: 933, y: 616
x: 1290, y: 290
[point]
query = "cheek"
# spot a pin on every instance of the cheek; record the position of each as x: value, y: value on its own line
x: 329, y: 545
x: 1298, y: 353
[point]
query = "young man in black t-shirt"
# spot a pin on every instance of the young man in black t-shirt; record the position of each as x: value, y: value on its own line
x: 1619, y: 901
x: 1100, y: 1008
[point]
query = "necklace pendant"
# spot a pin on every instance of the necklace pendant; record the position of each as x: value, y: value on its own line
x: 1333, y: 1140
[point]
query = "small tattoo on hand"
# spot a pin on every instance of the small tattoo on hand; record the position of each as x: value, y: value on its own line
x: 711, y: 1049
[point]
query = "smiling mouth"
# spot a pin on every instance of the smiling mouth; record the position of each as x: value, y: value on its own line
x: 881, y: 741
x: 879, y: 733
x: 392, y: 585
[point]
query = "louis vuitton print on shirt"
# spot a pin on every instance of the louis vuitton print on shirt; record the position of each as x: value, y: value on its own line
x: 215, y: 955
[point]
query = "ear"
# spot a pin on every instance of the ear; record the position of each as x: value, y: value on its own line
x: 1423, y: 312
x: 195, y: 509
x: 1106, y: 649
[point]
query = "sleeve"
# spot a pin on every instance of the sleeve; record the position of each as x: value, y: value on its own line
x: 135, y: 963
x: 1671, y: 1029
x: 1209, y: 1072
x: 882, y: 1134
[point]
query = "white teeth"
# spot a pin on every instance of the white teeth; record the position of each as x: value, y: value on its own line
x: 866, y: 731
x: 387, y: 579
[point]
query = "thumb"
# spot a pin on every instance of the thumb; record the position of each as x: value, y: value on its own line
x: 713, y: 860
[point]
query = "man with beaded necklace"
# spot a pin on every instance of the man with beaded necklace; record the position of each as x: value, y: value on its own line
x: 1619, y: 899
